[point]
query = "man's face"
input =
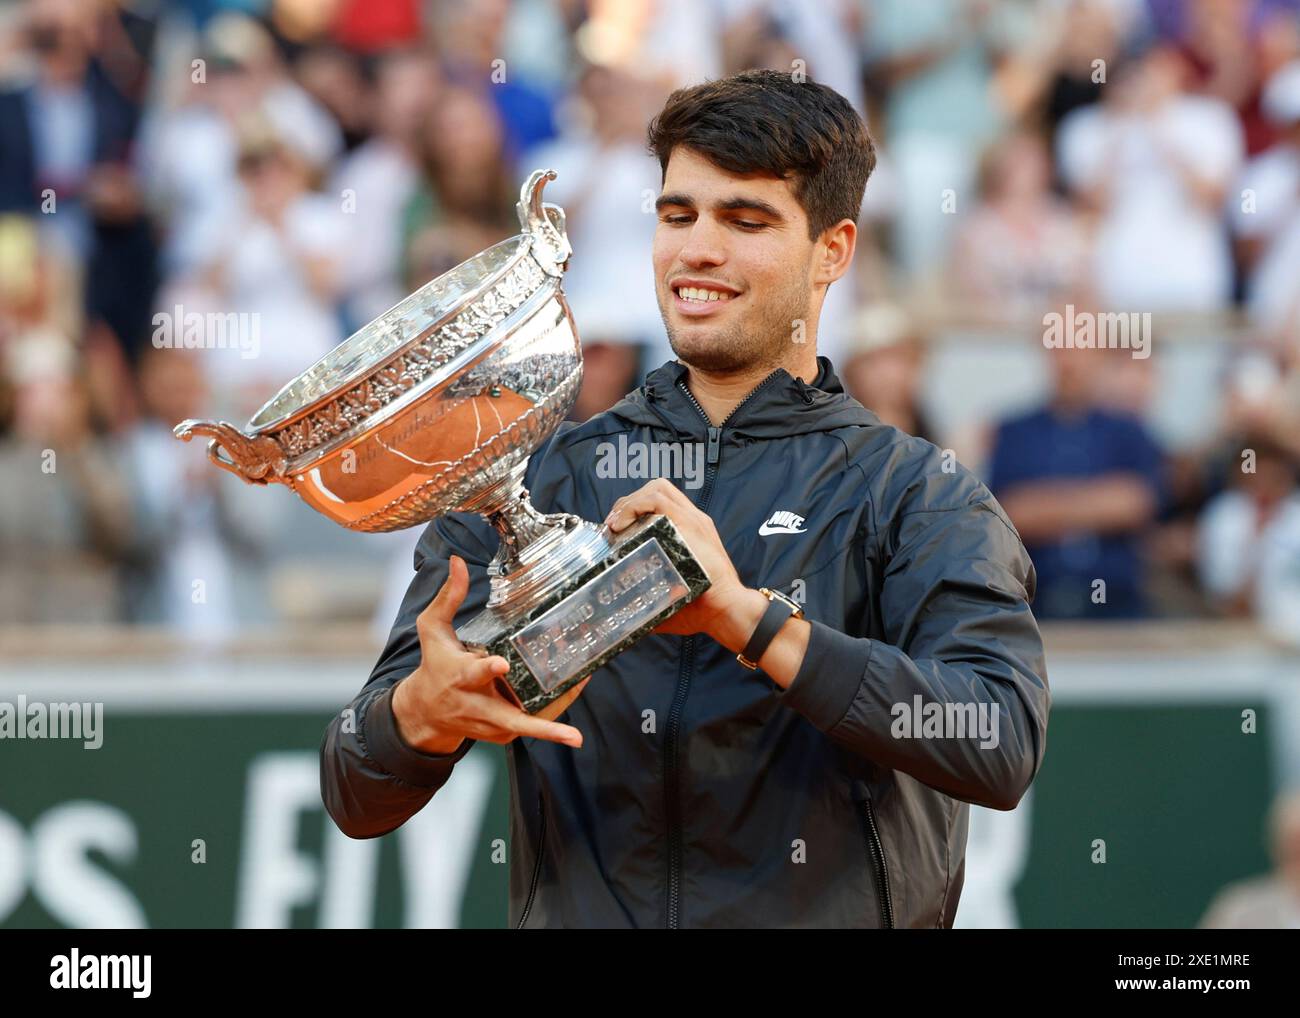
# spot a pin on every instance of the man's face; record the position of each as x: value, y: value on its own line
x: 743, y: 241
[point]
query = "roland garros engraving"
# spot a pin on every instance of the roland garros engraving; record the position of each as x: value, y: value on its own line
x: 565, y: 640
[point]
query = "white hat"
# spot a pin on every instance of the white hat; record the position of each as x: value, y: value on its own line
x: 39, y: 355
x: 1281, y: 98
x: 881, y: 325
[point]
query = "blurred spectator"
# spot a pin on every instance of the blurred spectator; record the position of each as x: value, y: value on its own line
x: 935, y: 61
x: 537, y: 37
x: 1154, y: 163
x: 66, y: 512
x: 1272, y: 901
x: 1265, y: 211
x: 1216, y: 43
x: 883, y: 370
x: 40, y: 285
x: 1089, y: 31
x: 471, y: 38
x: 606, y: 184
x: 336, y: 80
x: 277, y: 263
x: 66, y: 141
x: 648, y: 35
x: 188, y: 524
x: 1081, y: 483
x: 1022, y: 249
x: 1261, y: 395
x: 1276, y: 38
x: 1232, y: 48
x: 1249, y: 541
x: 776, y: 33
x: 610, y: 370
x: 192, y: 152
x: 378, y: 179
x: 466, y: 199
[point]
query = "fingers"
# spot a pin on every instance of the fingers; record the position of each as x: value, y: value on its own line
x: 436, y: 620
x: 501, y: 722
x: 482, y: 671
x: 658, y: 496
x: 463, y: 677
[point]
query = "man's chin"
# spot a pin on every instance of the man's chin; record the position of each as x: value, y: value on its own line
x: 691, y: 339
x: 707, y: 351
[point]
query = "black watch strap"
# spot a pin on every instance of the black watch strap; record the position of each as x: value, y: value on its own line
x: 778, y: 611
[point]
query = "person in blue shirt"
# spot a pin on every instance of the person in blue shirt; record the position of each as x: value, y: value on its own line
x: 1081, y: 482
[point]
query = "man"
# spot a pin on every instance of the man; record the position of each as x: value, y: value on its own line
x: 66, y: 138
x: 1081, y: 480
x: 1270, y: 901
x: 686, y: 790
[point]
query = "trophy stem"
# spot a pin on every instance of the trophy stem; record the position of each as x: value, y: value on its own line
x: 538, y: 551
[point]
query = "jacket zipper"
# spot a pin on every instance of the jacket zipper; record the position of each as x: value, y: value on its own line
x: 681, y: 384
x: 537, y: 866
x: 672, y: 805
x: 880, y: 872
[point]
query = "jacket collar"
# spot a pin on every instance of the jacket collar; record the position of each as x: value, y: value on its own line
x: 781, y: 405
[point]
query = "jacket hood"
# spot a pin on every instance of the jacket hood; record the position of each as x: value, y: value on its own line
x: 781, y: 405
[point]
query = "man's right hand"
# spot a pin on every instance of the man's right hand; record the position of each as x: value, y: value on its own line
x: 453, y: 696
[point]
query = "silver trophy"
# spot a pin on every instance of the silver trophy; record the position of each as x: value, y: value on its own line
x: 435, y: 407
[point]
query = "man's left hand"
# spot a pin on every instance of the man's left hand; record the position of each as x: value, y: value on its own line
x: 707, y: 613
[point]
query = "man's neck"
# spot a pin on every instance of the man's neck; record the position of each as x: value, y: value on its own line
x: 1071, y: 408
x: 719, y: 393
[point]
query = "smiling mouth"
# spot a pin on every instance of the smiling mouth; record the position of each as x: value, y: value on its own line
x: 702, y: 295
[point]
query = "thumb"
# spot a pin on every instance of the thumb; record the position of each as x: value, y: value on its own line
x: 439, y: 616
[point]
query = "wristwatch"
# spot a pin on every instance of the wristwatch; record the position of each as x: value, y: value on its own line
x: 780, y: 610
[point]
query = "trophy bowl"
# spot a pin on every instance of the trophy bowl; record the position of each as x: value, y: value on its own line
x: 435, y: 407
x: 428, y: 405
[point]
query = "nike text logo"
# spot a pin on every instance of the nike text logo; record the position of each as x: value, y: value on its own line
x: 782, y: 522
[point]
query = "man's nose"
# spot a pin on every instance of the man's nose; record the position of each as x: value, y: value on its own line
x: 703, y: 245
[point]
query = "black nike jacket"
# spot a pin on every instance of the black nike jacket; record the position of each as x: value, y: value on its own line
x: 704, y: 795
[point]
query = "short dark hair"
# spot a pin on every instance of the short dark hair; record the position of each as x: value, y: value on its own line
x: 767, y: 122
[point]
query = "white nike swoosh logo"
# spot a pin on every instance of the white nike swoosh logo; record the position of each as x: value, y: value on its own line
x: 766, y: 529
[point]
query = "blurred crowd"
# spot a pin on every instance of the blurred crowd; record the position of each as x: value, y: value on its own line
x: 289, y: 170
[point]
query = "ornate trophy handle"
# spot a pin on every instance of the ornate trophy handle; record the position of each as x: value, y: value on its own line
x: 253, y: 460
x: 544, y: 222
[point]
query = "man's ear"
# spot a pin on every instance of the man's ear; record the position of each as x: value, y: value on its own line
x: 835, y: 251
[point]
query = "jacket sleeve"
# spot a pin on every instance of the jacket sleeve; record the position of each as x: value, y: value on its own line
x: 954, y: 601
x: 371, y: 780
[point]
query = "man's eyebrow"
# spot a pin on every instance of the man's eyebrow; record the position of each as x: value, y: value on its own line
x: 685, y: 201
x: 757, y: 204
x: 680, y: 200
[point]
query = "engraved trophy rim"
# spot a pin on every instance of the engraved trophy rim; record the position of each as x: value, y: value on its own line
x: 457, y: 303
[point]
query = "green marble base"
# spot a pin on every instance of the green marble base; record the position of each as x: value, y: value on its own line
x: 596, y: 614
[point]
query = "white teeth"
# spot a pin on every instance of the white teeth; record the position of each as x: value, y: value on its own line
x: 699, y: 293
